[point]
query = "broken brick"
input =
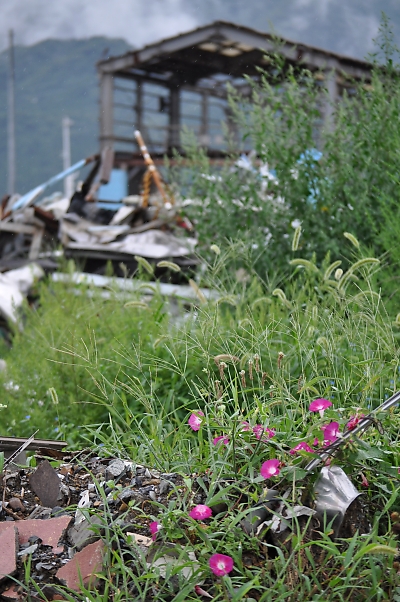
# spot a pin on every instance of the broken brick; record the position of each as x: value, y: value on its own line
x: 12, y: 593
x: 8, y: 551
x: 82, y: 567
x: 50, y: 531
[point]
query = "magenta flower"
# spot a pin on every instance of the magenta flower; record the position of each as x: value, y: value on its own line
x: 246, y: 426
x: 202, y: 592
x: 270, y: 468
x: 364, y: 481
x: 220, y: 564
x: 354, y: 420
x: 259, y: 431
x: 195, y: 420
x: 319, y: 405
x: 200, y: 512
x: 315, y: 442
x: 299, y: 447
x: 221, y: 439
x: 154, y: 529
x: 331, y: 432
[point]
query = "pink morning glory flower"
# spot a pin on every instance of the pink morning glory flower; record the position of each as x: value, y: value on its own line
x: 246, y: 426
x: 354, y: 420
x: 195, y: 420
x: 319, y: 405
x: 200, y: 512
x: 220, y: 564
x: 270, y: 468
x: 221, y: 439
x: 331, y: 432
x: 259, y: 431
x: 303, y: 446
x: 202, y: 592
x: 154, y: 529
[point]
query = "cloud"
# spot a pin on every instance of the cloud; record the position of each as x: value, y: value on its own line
x: 348, y: 29
x: 136, y: 21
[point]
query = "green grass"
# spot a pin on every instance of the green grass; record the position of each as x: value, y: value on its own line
x: 132, y: 375
x: 303, y: 317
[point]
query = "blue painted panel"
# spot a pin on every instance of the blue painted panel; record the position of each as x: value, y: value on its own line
x: 116, y: 189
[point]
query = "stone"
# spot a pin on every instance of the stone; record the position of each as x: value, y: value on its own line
x: 50, y: 593
x: 46, y: 484
x: 115, y: 469
x: 58, y: 511
x: 166, y: 557
x: 29, y: 550
x: 81, y: 569
x: 16, y: 504
x: 125, y: 495
x: 141, y: 541
x: 40, y: 512
x: 83, y: 534
x: 8, y: 550
x: 164, y: 486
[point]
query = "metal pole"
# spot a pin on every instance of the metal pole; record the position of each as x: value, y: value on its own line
x: 66, y: 154
x: 11, y: 116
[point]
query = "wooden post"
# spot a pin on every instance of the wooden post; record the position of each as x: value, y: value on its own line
x: 174, y: 118
x: 139, y: 105
x: 106, y: 109
x: 204, y: 137
x: 331, y: 99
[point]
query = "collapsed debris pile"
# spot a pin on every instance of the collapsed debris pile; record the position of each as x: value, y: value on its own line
x: 94, y: 231
x: 36, y: 232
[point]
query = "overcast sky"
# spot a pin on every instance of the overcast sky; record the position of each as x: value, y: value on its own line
x: 137, y: 21
x: 346, y: 26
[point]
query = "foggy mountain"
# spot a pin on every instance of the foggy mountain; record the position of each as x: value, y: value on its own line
x: 57, y: 77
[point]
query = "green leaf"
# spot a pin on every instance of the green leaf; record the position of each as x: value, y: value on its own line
x: 350, y: 551
x: 376, y: 548
x: 296, y: 473
x: 218, y: 496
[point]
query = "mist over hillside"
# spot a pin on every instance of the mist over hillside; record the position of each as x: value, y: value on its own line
x: 57, y: 77
x: 53, y: 79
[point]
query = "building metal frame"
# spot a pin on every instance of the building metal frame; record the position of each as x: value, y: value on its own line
x: 182, y: 80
